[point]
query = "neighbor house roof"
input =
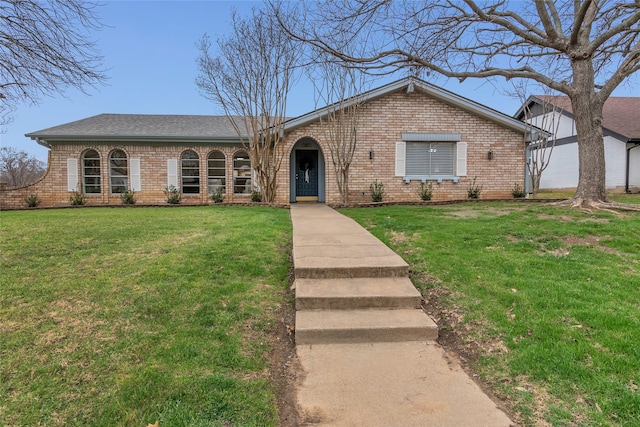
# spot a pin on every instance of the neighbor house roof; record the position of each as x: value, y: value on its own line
x: 620, y: 114
x: 410, y: 84
x: 141, y: 127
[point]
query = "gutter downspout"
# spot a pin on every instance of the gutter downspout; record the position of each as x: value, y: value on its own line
x: 626, y: 188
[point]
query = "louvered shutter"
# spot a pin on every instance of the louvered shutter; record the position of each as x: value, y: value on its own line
x: 400, y: 158
x: 461, y: 159
x: 72, y: 175
x: 134, y: 170
x: 172, y: 173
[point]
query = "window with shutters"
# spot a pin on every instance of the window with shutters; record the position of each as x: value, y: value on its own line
x: 118, y: 172
x: 216, y: 172
x: 91, y: 172
x: 190, y: 172
x: 430, y: 159
x: 431, y: 156
x: 241, y: 173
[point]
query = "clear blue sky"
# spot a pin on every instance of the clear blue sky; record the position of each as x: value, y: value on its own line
x: 149, y: 50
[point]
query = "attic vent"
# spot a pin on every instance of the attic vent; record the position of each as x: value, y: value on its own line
x: 427, y: 137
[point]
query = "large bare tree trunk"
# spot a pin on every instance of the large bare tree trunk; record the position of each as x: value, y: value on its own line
x: 587, y: 110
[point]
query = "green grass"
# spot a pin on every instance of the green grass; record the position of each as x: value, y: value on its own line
x: 548, y: 297
x: 114, y: 317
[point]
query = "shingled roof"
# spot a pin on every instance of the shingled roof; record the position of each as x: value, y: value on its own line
x: 621, y: 114
x: 141, y: 126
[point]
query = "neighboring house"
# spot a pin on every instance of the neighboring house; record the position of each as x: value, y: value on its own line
x: 409, y: 132
x: 621, y: 129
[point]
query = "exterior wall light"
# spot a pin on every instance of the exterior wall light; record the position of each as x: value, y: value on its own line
x: 371, y: 155
x: 490, y: 155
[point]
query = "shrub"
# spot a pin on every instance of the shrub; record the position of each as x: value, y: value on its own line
x: 32, y: 200
x: 518, y: 192
x: 172, y: 194
x: 377, y: 191
x: 474, y: 190
x: 256, y: 196
x: 426, y: 191
x: 77, y: 198
x: 218, y: 195
x: 128, y: 197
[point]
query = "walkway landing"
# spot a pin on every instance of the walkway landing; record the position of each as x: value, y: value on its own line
x: 367, y: 350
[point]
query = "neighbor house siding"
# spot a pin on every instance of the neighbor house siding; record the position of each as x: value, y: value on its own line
x: 562, y: 172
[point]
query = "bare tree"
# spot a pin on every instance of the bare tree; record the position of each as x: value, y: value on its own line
x: 583, y: 49
x: 45, y: 47
x: 538, y: 113
x: 17, y: 168
x: 339, y: 88
x: 249, y: 77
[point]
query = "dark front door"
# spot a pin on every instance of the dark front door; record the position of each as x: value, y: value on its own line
x: 306, y: 173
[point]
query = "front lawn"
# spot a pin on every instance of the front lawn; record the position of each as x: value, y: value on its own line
x: 130, y: 316
x: 544, y: 302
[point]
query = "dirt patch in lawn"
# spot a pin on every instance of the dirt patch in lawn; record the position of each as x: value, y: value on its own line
x: 398, y: 237
x: 283, y: 362
x: 594, y: 241
x: 475, y: 211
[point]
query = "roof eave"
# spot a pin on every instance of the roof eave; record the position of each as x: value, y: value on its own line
x: 46, y: 140
x: 434, y: 91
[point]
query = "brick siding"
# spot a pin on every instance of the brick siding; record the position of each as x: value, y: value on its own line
x: 382, y: 123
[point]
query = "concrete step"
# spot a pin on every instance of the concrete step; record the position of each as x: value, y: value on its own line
x: 362, y: 326
x: 345, y: 256
x: 356, y: 293
x: 337, y: 271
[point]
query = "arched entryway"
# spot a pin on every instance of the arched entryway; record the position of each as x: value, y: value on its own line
x: 306, y: 172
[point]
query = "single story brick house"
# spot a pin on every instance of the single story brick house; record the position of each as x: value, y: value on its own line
x: 621, y: 129
x: 409, y: 132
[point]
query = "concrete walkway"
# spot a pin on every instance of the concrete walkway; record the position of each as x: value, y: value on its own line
x: 367, y: 351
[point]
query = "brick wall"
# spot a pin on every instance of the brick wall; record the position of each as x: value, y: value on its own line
x: 382, y: 123
x: 52, y: 188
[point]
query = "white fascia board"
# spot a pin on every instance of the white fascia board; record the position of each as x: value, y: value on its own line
x: 46, y: 141
x: 431, y: 90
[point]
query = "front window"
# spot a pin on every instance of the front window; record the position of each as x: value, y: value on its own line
x: 241, y: 173
x: 118, y: 172
x: 91, y: 172
x: 430, y: 159
x: 190, y: 166
x: 216, y: 172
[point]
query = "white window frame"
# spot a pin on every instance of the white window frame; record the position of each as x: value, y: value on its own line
x: 113, y: 176
x: 85, y: 167
x: 242, y: 175
x: 220, y: 180
x: 459, y: 161
x: 184, y: 168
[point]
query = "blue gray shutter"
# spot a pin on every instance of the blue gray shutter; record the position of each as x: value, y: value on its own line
x: 134, y: 170
x: 400, y: 158
x: 172, y: 173
x: 72, y: 175
x: 461, y: 159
